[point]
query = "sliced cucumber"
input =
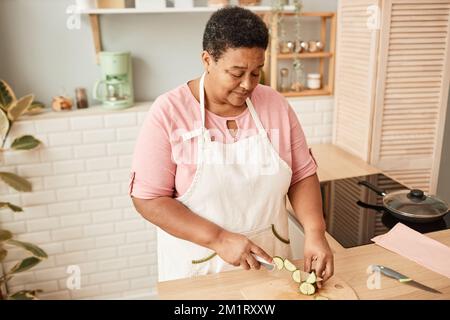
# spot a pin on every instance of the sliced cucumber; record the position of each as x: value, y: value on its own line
x: 312, y: 279
x: 296, y: 276
x: 307, y: 288
x: 320, y: 298
x: 279, y: 262
x: 289, y: 265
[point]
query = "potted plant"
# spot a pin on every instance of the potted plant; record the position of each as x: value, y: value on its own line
x: 11, y: 109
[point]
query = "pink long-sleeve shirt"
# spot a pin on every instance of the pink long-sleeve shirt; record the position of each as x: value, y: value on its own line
x: 164, y: 165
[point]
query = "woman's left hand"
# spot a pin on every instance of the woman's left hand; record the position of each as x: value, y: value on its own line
x: 318, y: 255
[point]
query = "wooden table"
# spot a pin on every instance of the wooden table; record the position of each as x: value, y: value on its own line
x: 350, y: 265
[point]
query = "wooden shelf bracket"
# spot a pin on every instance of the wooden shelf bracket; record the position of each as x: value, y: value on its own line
x: 96, y: 34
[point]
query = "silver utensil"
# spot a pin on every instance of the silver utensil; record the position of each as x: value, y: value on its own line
x: 403, y: 279
x: 266, y: 264
x: 320, y: 45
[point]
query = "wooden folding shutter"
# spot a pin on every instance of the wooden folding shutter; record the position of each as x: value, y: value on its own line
x: 412, y: 90
x: 357, y: 42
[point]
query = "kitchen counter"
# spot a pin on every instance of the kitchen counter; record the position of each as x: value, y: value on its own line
x: 350, y: 265
x: 334, y: 163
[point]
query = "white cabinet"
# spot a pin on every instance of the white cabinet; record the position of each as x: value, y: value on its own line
x: 392, y: 83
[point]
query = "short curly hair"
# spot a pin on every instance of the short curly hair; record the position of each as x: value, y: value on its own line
x: 234, y: 27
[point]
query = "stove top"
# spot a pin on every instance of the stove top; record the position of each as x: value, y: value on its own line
x: 351, y: 223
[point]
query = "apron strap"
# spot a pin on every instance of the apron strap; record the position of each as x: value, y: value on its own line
x: 205, y: 135
x: 255, y: 117
x: 253, y: 113
x: 202, y: 100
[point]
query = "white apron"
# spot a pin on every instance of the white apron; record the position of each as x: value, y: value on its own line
x: 241, y: 187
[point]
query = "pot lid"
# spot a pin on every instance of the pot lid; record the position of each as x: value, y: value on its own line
x: 415, y: 203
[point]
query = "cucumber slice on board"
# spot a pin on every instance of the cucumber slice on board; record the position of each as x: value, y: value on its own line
x: 307, y: 288
x: 320, y: 298
x: 289, y: 265
x: 312, y: 279
x: 279, y: 262
x: 297, y: 276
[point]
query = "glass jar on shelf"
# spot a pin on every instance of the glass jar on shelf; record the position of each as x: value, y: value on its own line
x: 284, y: 80
x: 286, y: 46
x: 314, y: 81
x: 299, y: 82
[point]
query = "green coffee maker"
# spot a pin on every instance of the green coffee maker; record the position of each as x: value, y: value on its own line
x: 115, y: 89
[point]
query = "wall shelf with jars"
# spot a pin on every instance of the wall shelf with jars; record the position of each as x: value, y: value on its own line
x: 313, y: 85
x: 293, y: 81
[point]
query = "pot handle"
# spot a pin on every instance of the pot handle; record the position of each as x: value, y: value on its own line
x: 370, y: 206
x: 372, y: 187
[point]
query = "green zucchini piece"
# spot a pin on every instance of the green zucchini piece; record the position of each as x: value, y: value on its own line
x: 279, y: 262
x: 296, y: 276
x: 307, y: 288
x: 289, y: 265
x: 312, y: 279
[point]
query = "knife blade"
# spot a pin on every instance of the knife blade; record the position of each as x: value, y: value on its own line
x: 404, y: 279
x: 266, y: 264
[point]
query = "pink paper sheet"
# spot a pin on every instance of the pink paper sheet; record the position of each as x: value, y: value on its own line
x: 417, y: 247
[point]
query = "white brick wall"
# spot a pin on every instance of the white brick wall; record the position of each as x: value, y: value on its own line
x: 79, y: 210
x: 316, y: 117
x: 76, y: 211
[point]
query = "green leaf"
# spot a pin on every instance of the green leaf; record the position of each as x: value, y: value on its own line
x: 35, y: 108
x: 15, y: 181
x: 6, y: 95
x: 26, y: 142
x: 34, y: 249
x: 11, y: 206
x: 37, y: 104
x: 5, y: 235
x: 5, y: 124
x: 25, y: 265
x: 17, y: 109
x: 3, y: 254
x: 24, y: 295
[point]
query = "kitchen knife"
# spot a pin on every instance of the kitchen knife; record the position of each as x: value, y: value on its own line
x: 266, y: 264
x: 403, y: 279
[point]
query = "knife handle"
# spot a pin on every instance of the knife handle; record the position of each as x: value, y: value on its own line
x: 393, y: 274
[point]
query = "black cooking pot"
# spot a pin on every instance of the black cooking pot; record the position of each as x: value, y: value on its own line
x: 410, y: 205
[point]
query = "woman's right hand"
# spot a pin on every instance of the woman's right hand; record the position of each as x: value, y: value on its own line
x: 237, y: 249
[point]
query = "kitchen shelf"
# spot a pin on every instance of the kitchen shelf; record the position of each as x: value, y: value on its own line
x: 289, y: 10
x: 165, y: 10
x: 273, y: 55
x: 94, y: 16
x: 285, y: 56
x: 308, y: 92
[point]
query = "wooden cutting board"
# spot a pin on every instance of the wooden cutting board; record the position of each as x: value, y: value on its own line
x: 282, y: 287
